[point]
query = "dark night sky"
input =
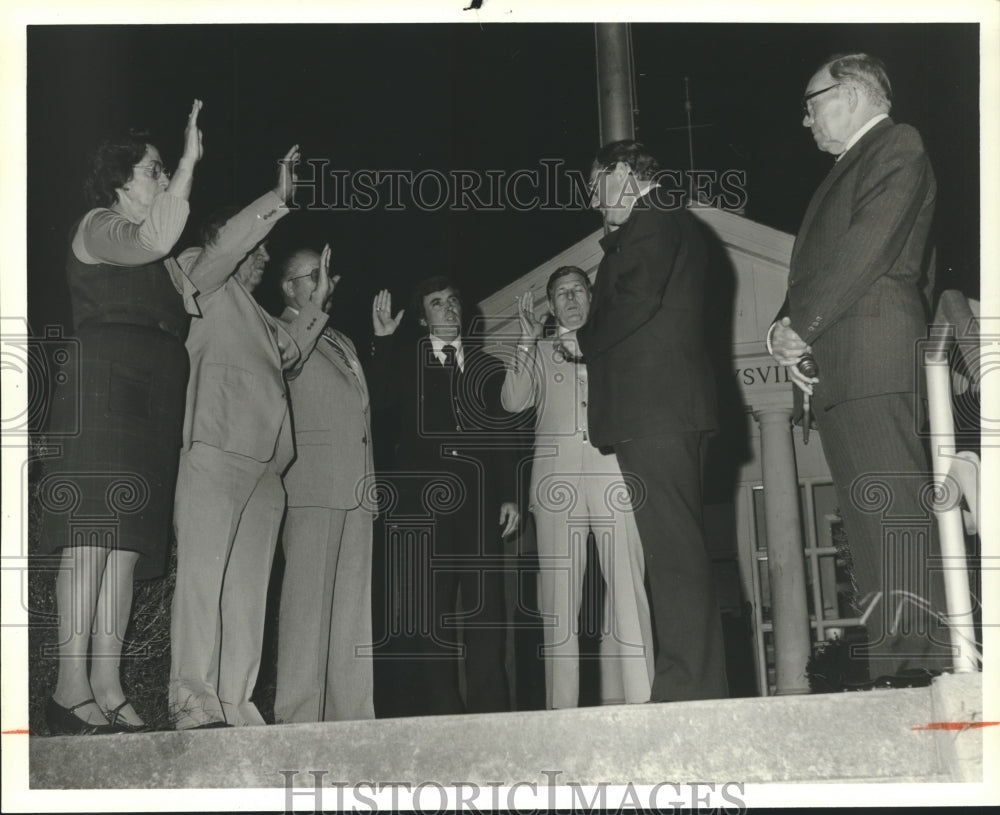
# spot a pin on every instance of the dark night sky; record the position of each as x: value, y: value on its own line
x: 468, y: 97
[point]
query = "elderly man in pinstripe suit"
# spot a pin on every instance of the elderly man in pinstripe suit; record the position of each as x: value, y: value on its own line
x: 857, y: 302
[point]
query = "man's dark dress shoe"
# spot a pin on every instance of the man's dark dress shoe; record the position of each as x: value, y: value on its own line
x: 907, y: 678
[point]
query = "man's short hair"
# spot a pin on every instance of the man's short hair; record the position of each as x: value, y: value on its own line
x: 866, y: 71
x: 633, y: 153
x: 286, y: 264
x: 210, y: 227
x: 426, y: 286
x: 560, y: 273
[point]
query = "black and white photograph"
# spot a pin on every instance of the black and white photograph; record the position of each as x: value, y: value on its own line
x: 475, y: 406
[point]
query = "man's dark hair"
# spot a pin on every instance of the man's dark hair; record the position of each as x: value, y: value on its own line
x: 560, y: 273
x: 425, y: 287
x: 111, y: 166
x: 867, y: 71
x: 210, y: 227
x: 633, y: 153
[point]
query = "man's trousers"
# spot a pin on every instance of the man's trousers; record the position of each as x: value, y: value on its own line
x: 227, y: 513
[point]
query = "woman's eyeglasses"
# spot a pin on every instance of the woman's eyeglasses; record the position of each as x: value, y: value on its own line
x: 156, y: 169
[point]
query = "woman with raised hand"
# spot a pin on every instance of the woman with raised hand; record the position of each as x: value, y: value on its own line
x: 107, y: 499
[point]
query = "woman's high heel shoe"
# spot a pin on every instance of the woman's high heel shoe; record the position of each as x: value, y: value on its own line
x: 119, y: 725
x: 63, y: 721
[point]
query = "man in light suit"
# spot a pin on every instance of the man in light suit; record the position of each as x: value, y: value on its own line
x: 237, y: 441
x: 857, y: 302
x: 324, y: 626
x: 652, y: 399
x: 576, y: 488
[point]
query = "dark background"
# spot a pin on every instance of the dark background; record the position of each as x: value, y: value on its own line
x: 490, y: 97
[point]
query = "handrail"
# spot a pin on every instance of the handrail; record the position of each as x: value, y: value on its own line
x: 955, y: 473
x: 959, y: 320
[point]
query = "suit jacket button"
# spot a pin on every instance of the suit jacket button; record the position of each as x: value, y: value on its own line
x: 364, y: 440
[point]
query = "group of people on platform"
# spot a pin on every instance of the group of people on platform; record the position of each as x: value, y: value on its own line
x: 271, y: 419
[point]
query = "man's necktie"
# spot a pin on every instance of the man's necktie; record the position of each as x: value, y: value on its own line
x: 565, y: 353
x: 450, y: 357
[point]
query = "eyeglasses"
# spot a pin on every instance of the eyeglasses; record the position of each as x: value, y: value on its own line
x: 156, y: 169
x: 805, y: 99
x: 592, y: 186
x: 314, y: 274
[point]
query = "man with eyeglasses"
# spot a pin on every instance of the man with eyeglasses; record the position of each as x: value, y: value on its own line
x: 652, y: 399
x: 325, y: 615
x: 237, y: 441
x: 857, y: 301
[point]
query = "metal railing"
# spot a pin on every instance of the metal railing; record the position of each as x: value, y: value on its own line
x: 956, y: 472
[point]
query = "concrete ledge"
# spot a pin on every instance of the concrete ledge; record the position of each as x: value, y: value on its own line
x: 957, y: 699
x: 835, y: 737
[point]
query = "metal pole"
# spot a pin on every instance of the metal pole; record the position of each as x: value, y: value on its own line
x: 614, y: 82
x: 687, y: 109
x: 785, y: 566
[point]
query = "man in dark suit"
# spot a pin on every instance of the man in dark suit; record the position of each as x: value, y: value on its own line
x: 652, y: 399
x: 451, y: 500
x: 324, y: 625
x: 857, y: 302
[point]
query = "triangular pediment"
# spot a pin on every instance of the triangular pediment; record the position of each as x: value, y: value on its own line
x: 759, y: 256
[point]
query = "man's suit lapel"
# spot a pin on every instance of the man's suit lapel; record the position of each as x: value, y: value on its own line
x: 271, y: 325
x: 325, y: 346
x: 350, y: 366
x: 838, y: 170
x: 349, y: 363
x: 612, y: 244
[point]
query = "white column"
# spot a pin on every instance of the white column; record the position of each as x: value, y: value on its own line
x: 955, y: 474
x: 785, y: 562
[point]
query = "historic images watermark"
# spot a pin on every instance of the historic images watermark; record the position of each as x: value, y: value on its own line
x: 549, y: 187
x: 314, y: 790
x: 49, y: 363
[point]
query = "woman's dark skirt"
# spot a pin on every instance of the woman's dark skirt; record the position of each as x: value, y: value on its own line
x: 114, y: 441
